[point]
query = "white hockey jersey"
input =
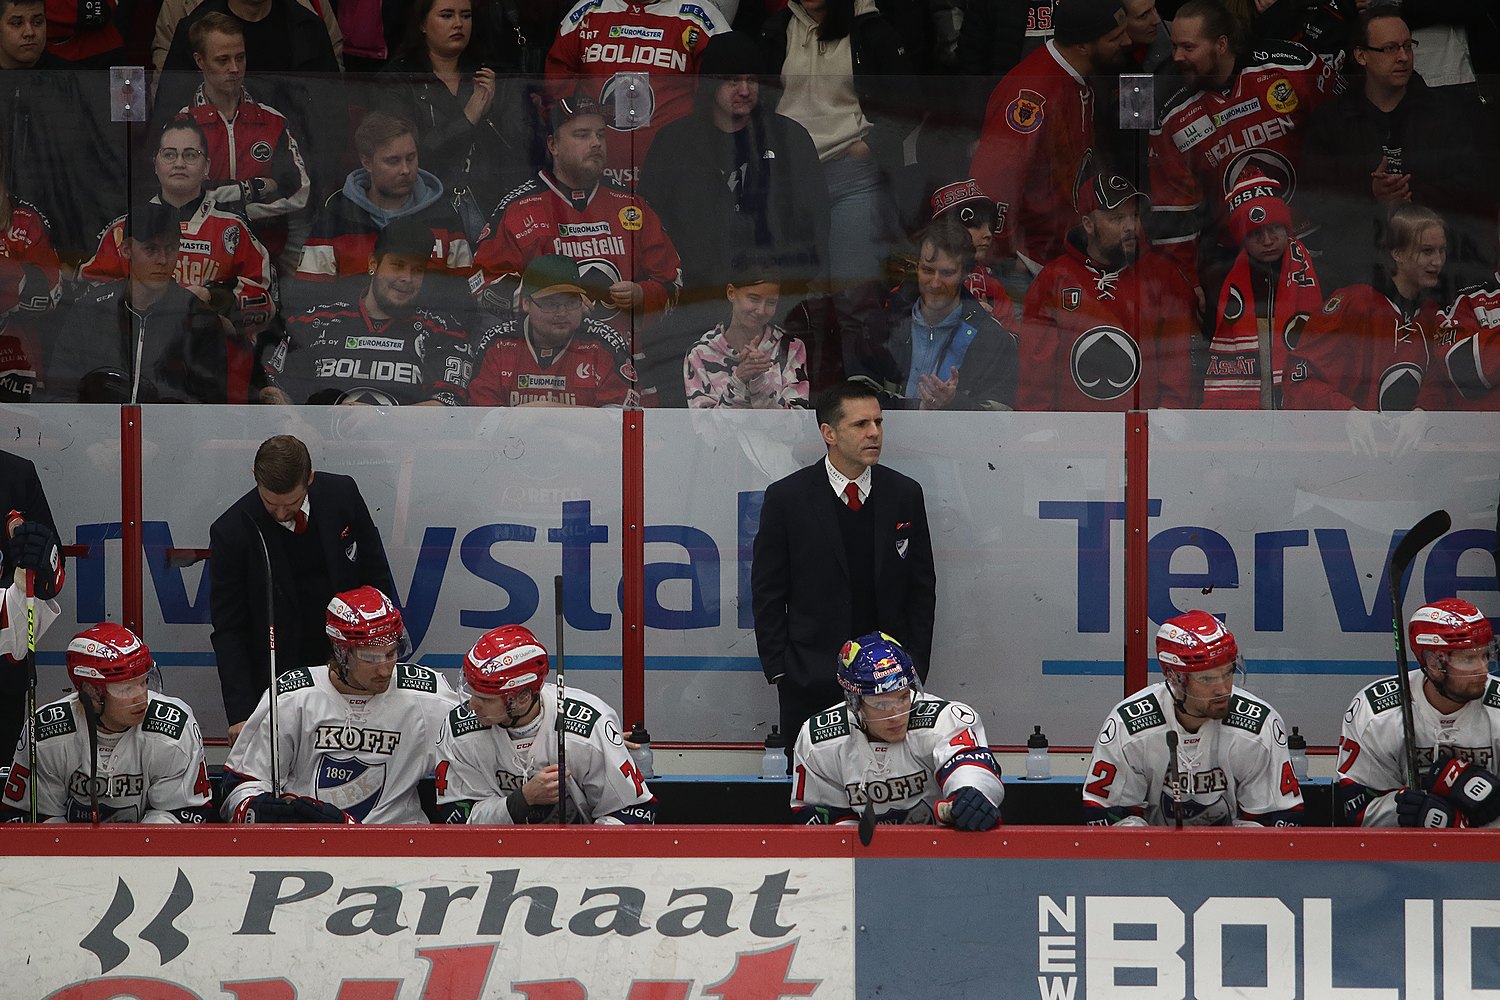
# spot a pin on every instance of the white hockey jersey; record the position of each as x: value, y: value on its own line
x: 361, y: 753
x: 1231, y: 772
x: 484, y: 764
x: 151, y: 773
x: 1372, y: 746
x: 837, y: 769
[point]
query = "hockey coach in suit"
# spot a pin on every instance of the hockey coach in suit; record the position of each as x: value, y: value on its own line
x: 842, y: 550
x: 321, y: 541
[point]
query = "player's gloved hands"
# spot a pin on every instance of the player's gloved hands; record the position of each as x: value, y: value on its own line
x: 1475, y: 791
x: 970, y: 809
x: 268, y: 808
x: 1416, y: 808
x: 34, y: 546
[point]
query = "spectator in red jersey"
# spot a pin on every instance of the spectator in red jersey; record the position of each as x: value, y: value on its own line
x: 219, y: 259
x: 379, y: 349
x: 250, y: 145
x: 1370, y: 347
x: 1469, y: 349
x: 1269, y: 295
x: 30, y: 287
x: 552, y: 354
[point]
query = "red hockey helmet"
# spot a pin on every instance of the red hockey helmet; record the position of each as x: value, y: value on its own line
x: 506, y: 660
x: 1451, y: 623
x: 105, y: 653
x: 1195, y: 641
x: 364, y: 617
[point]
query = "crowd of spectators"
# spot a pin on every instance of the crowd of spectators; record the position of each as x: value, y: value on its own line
x: 1050, y: 204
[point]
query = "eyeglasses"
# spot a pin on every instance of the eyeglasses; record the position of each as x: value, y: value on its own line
x: 1409, y: 47
x: 558, y: 304
x: 188, y: 155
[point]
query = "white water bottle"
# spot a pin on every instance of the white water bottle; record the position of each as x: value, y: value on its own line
x: 1296, y: 745
x: 773, y: 764
x: 1038, y: 764
x: 641, y: 754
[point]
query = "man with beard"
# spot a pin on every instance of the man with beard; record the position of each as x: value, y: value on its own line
x: 1108, y: 325
x: 1238, y: 108
x: 1039, y: 136
x: 380, y: 349
x: 1193, y: 750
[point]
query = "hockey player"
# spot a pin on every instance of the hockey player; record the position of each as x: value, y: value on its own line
x: 1191, y: 750
x: 553, y: 354
x: 1456, y: 718
x: 1109, y: 324
x: 497, y: 754
x: 115, y: 750
x: 355, y: 735
x: 893, y: 750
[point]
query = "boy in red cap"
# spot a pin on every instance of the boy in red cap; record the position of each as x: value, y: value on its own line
x: 980, y: 216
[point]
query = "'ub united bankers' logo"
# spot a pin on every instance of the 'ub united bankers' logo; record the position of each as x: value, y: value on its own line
x: 1025, y: 113
x: 1106, y: 361
x: 1399, y: 385
x: 350, y: 784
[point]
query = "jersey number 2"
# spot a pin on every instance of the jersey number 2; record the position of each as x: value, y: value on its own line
x: 1104, y: 776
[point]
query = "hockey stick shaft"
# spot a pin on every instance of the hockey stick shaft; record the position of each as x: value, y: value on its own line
x: 1422, y: 534
x: 562, y: 704
x: 273, y: 716
x: 1174, y: 776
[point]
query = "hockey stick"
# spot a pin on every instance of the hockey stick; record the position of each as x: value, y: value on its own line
x: 867, y: 819
x: 1423, y: 533
x: 29, y: 577
x: 273, y: 714
x: 562, y: 691
x: 1174, y: 775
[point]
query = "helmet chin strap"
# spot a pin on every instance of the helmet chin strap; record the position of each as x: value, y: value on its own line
x: 1439, y: 681
x: 1179, y: 701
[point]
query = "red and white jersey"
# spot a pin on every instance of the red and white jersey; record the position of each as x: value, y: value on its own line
x: 216, y: 246
x: 361, y: 753
x: 1362, y: 350
x: 151, y: 773
x: 484, y: 764
x: 593, y: 369
x: 1469, y: 343
x: 1036, y: 141
x: 1372, y: 745
x: 837, y: 769
x: 612, y: 234
x: 1206, y: 139
x: 255, y: 142
x: 601, y: 41
x: 1232, y: 772
x: 27, y: 243
x: 1090, y: 336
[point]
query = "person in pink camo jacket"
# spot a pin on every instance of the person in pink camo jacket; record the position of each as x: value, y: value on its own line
x: 748, y: 362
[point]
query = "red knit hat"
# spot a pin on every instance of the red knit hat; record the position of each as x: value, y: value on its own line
x: 1253, y: 202
x: 962, y: 194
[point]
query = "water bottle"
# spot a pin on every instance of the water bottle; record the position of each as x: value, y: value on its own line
x: 1038, y: 764
x: 773, y: 764
x: 644, y: 761
x: 1297, y: 745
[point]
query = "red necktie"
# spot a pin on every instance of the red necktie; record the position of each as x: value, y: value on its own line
x: 299, y: 523
x: 851, y: 495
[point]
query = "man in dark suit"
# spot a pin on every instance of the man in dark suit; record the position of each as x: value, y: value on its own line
x: 842, y: 550
x: 29, y: 542
x: 321, y: 542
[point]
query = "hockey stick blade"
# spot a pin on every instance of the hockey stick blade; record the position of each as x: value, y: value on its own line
x: 867, y: 821
x: 1422, y: 534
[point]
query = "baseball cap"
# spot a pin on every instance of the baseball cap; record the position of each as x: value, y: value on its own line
x: 1075, y: 21
x: 1255, y: 201
x: 564, y: 109
x: 1105, y: 191
x: 407, y: 237
x: 554, y: 274
x: 149, y: 221
x: 960, y: 195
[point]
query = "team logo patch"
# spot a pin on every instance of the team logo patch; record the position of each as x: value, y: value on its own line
x: 1234, y: 305
x: 1291, y: 335
x: 1281, y: 96
x: 1257, y: 215
x: 1399, y: 386
x: 1072, y: 298
x: 1025, y: 113
x: 627, y: 372
x: 902, y: 544
x: 631, y: 218
x: 261, y: 151
x: 232, y: 239
x: 1106, y: 362
x: 350, y: 784
x: 690, y: 38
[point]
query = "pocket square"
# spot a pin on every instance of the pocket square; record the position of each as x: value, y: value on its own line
x: 902, y: 524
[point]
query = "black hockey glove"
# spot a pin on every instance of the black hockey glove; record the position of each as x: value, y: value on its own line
x: 268, y: 808
x: 972, y: 810
x: 1475, y: 791
x: 1416, y: 808
x: 34, y: 546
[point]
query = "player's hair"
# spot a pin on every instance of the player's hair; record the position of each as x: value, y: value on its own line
x: 214, y: 20
x: 182, y: 123
x: 282, y: 464
x: 1404, y: 230
x: 1359, y: 33
x: 1218, y: 22
x: 947, y: 235
x: 830, y: 408
x: 377, y: 129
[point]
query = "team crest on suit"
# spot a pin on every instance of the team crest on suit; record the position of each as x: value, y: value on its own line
x: 1072, y: 298
x: 902, y: 544
x: 1025, y: 112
